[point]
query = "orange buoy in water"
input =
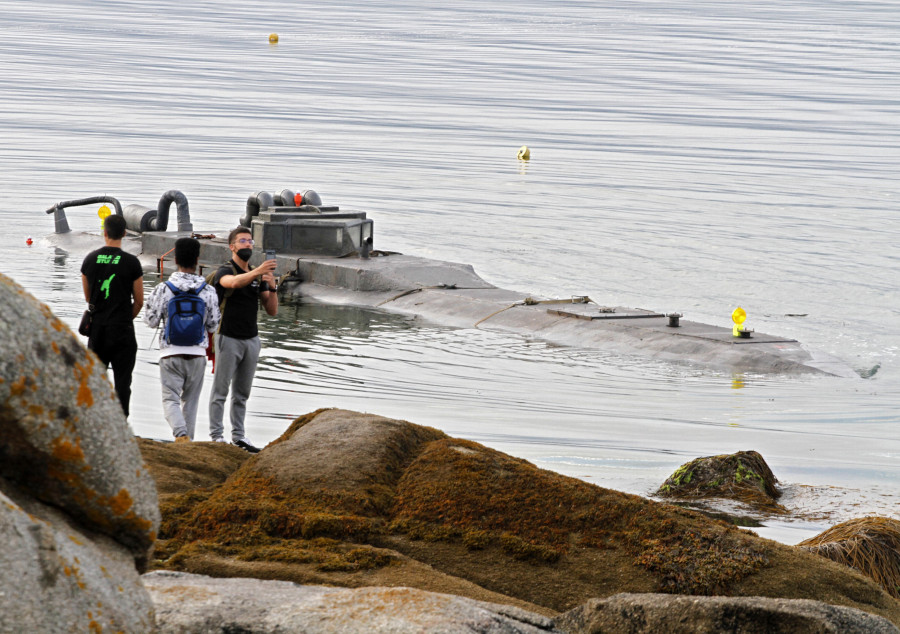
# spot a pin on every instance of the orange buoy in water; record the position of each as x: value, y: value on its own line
x: 273, y: 38
x: 29, y: 241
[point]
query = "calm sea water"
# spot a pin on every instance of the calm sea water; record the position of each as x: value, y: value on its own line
x: 690, y: 156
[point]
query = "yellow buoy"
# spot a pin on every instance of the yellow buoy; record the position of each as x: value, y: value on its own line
x: 273, y: 38
x: 524, y: 153
x: 738, y: 317
x: 104, y: 212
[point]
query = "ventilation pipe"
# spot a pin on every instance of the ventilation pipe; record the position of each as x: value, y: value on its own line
x: 59, y: 214
x: 141, y: 218
x: 256, y: 202
x: 284, y: 198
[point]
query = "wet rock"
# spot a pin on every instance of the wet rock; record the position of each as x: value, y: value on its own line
x: 65, y: 438
x: 869, y: 544
x: 78, y: 508
x: 652, y: 613
x: 743, y: 476
x: 199, y: 604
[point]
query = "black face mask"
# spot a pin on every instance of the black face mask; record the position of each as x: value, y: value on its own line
x: 244, y: 254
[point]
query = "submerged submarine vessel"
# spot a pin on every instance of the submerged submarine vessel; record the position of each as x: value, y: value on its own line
x: 327, y: 255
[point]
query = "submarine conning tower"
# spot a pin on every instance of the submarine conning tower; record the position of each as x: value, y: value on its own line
x: 299, y: 224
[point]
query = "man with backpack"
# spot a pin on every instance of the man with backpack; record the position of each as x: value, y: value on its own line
x: 241, y: 290
x: 189, y: 308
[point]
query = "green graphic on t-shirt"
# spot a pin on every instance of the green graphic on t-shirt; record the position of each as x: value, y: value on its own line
x: 104, y: 258
x: 105, y: 286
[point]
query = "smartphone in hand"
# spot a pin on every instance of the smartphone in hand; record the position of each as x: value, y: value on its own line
x: 270, y: 254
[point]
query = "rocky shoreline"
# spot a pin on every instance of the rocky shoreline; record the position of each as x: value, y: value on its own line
x: 355, y: 522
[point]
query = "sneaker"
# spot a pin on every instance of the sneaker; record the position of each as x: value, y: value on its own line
x: 246, y: 445
x: 182, y: 439
x: 218, y: 440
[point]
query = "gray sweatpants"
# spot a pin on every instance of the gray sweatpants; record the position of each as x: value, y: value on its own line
x: 235, y: 368
x: 181, y: 380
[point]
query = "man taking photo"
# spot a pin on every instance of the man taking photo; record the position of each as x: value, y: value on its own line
x: 241, y: 289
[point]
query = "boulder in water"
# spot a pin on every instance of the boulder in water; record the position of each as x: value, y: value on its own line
x: 743, y: 476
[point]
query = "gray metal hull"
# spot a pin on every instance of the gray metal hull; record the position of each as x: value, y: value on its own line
x: 453, y: 294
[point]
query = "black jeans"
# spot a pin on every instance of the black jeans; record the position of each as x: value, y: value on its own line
x: 116, y: 346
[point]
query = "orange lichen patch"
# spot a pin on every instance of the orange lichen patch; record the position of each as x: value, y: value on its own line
x: 85, y: 397
x: 55, y: 347
x: 55, y: 323
x: 69, y: 452
x: 121, y: 502
x: 17, y: 388
x: 36, y: 410
x: 95, y: 627
x: 96, y: 507
x: 76, y: 540
x: 61, y: 474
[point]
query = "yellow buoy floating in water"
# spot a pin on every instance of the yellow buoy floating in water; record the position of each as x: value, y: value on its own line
x: 524, y: 153
x: 273, y: 38
x: 739, y: 316
x: 103, y: 213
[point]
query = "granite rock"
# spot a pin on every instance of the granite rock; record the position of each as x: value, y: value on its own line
x: 680, y: 614
x: 206, y: 605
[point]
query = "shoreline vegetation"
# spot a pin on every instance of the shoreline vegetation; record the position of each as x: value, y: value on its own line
x: 350, y: 499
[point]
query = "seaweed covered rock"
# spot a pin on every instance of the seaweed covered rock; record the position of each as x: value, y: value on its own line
x: 351, y: 499
x: 743, y: 476
x: 78, y: 508
x: 184, y: 467
x: 652, y: 613
x: 869, y: 544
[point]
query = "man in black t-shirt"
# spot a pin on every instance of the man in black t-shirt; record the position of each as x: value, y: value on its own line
x: 113, y: 283
x: 241, y: 289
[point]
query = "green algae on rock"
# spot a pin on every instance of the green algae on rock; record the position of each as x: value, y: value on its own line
x: 743, y: 476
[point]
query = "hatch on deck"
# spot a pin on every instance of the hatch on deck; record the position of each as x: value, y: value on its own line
x: 648, y: 320
x: 328, y: 232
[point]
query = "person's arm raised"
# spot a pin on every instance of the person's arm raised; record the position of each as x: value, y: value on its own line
x: 243, y: 279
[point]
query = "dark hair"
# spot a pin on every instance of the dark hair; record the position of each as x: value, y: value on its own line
x: 114, y: 226
x: 236, y: 232
x: 187, y: 252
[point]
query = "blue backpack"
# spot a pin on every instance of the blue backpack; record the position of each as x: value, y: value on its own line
x: 185, y: 317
